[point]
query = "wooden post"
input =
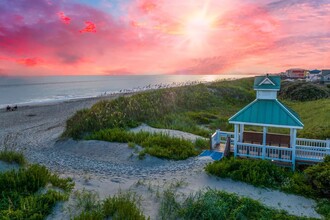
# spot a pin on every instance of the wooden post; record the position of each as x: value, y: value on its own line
x: 235, y: 139
x: 264, y: 134
x: 293, y: 144
x: 241, y: 130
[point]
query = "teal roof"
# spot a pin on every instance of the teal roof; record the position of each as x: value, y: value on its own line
x: 263, y: 112
x: 267, y: 82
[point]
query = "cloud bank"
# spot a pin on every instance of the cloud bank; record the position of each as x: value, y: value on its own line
x: 48, y: 37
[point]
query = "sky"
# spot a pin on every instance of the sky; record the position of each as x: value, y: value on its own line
x: 113, y: 37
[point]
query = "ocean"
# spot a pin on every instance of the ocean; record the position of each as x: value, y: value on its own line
x: 47, y: 89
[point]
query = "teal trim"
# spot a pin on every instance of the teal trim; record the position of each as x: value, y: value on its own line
x: 276, y: 80
x: 267, y: 112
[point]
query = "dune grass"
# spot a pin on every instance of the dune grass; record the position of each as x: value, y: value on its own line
x: 22, y: 195
x: 198, y: 109
x: 13, y: 157
x: 121, y: 206
x: 213, y: 204
x: 25, y: 193
x: 170, y: 108
x: 156, y: 144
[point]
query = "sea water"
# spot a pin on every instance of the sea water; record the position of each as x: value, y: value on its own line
x: 39, y: 90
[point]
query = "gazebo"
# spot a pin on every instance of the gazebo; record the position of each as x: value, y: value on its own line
x: 266, y: 111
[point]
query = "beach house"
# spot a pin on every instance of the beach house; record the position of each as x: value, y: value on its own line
x: 267, y: 111
x: 325, y: 77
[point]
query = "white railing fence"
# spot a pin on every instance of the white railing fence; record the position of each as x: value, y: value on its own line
x: 220, y: 137
x: 306, y: 149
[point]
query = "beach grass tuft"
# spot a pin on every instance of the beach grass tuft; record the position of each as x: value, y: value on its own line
x: 124, y: 205
x: 13, y: 157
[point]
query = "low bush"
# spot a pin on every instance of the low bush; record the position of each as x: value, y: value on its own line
x: 158, y: 145
x: 213, y: 204
x: 319, y: 177
x: 302, y: 91
x: 256, y: 172
x: 13, y: 157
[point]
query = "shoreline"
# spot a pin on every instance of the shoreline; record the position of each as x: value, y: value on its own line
x: 109, y: 94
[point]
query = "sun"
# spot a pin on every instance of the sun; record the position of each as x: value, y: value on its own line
x: 198, y: 27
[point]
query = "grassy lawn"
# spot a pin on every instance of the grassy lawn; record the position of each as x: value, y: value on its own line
x: 27, y: 193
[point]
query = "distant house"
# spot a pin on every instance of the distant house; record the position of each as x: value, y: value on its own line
x: 314, y: 75
x: 296, y: 73
x: 325, y: 76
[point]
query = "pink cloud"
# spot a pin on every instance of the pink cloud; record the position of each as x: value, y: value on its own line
x: 65, y: 19
x: 149, y: 36
x: 89, y: 27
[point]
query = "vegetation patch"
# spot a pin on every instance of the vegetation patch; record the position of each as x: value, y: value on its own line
x: 213, y: 204
x: 121, y: 206
x: 198, y: 109
x: 313, y: 182
x: 156, y: 144
x: 260, y: 173
x: 169, y: 108
x: 25, y: 193
x: 12, y: 157
x: 302, y: 91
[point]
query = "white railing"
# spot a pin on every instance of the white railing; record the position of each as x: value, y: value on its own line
x: 220, y: 137
x: 306, y: 149
x: 308, y: 153
x: 249, y: 150
x: 312, y: 149
x: 312, y: 142
x: 278, y: 153
x: 267, y: 152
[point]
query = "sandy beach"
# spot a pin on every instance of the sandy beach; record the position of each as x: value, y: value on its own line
x: 107, y: 168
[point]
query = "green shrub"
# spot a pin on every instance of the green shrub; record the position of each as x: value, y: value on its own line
x: 13, y: 157
x: 302, y: 91
x: 256, y: 172
x: 319, y: 177
x: 323, y: 208
x: 158, y: 145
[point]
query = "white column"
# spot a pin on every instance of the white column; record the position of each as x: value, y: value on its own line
x: 241, y: 130
x: 293, y: 146
x: 264, y: 134
x: 235, y: 139
x: 328, y: 146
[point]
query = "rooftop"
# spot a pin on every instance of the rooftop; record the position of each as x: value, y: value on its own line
x: 270, y: 113
x: 267, y: 82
